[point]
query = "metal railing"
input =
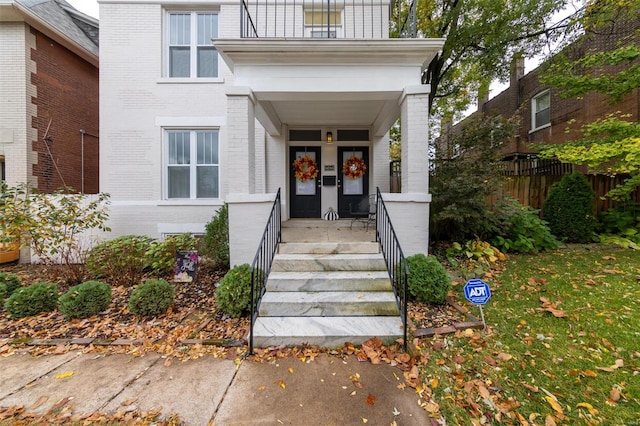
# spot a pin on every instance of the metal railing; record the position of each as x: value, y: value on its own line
x: 354, y: 19
x: 394, y: 259
x: 261, y: 265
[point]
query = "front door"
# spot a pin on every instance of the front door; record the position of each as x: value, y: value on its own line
x: 354, y: 184
x: 304, y: 181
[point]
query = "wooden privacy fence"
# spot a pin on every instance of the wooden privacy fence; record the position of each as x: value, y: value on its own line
x: 532, y: 190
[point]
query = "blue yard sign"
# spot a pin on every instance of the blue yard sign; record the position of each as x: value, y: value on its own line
x: 477, y: 292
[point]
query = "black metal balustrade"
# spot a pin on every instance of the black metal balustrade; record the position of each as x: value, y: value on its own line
x: 363, y: 19
x: 261, y: 265
x: 394, y: 259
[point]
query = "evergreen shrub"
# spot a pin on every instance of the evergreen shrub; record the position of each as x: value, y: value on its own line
x: 85, y: 300
x: 32, y: 300
x: 120, y: 261
x: 569, y: 209
x: 428, y: 279
x: 233, y: 294
x: 11, y: 282
x: 161, y: 255
x: 215, y: 242
x: 152, y: 297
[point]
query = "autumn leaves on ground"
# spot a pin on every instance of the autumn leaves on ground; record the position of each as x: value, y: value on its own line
x: 561, y: 345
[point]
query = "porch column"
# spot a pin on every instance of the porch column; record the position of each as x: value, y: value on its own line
x: 409, y: 211
x: 248, y: 211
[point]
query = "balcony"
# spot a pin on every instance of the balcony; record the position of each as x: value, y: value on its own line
x: 328, y: 19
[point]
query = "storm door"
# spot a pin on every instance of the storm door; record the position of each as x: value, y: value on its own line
x: 304, y: 181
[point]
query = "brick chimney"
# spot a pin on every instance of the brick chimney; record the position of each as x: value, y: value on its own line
x: 517, y: 70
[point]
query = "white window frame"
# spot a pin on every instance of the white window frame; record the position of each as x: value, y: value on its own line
x: 534, y: 103
x: 193, y: 45
x: 193, y: 163
x: 313, y: 30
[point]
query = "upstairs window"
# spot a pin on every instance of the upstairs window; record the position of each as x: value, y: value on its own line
x: 191, y: 52
x: 541, y: 110
x: 193, y: 168
x: 320, y: 24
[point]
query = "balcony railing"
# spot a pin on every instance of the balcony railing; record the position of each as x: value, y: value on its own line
x: 352, y: 19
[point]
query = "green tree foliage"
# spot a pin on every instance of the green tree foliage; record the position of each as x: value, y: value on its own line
x: 215, y: 242
x: 569, y: 209
x: 120, y: 261
x: 481, y: 36
x: 85, y: 300
x: 609, y: 145
x: 466, y: 170
x: 428, y: 280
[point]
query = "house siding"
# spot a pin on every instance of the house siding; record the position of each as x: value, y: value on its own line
x: 66, y: 100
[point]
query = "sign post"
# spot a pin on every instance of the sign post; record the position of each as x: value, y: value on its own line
x: 477, y: 292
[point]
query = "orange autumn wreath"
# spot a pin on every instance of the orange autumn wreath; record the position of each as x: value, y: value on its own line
x: 305, y: 168
x: 354, y: 167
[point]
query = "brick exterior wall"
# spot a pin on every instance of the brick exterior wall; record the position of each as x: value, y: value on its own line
x: 66, y: 101
x: 516, y: 100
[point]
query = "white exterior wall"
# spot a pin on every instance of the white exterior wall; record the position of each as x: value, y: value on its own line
x: 137, y: 103
x: 16, y: 109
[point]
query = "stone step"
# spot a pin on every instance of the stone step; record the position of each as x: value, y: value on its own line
x: 327, y: 262
x: 362, y: 247
x: 329, y: 332
x: 329, y: 281
x: 328, y: 303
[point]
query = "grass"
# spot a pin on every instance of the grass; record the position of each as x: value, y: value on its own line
x: 563, y: 344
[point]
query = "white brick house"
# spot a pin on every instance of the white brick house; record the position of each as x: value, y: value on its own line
x: 187, y: 124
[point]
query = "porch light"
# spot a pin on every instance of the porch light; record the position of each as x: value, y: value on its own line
x: 329, y: 137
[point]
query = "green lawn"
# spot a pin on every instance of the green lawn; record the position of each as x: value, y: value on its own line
x: 563, y: 344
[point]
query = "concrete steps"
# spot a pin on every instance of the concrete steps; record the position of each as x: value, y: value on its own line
x: 327, y: 294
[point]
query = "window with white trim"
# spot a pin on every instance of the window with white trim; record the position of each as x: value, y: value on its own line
x: 193, y: 165
x: 541, y: 110
x: 191, y: 53
x: 323, y: 24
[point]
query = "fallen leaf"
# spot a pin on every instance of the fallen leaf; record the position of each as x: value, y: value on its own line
x: 371, y: 399
x: 590, y: 373
x: 261, y: 388
x: 281, y: 384
x: 531, y: 388
x: 614, y: 394
x: 589, y: 407
x: 64, y: 375
x: 128, y: 401
x: 364, y: 420
x: 39, y: 402
x: 554, y: 404
x: 619, y: 363
x: 505, y: 357
x: 396, y: 413
x: 434, y: 383
x: 549, y: 421
x: 291, y: 370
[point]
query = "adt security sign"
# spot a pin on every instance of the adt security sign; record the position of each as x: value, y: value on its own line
x: 477, y: 292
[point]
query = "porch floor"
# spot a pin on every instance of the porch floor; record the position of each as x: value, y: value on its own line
x: 318, y: 230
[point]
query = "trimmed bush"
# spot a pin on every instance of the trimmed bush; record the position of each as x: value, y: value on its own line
x: 10, y: 281
x: 428, y: 280
x: 3, y: 291
x: 569, y: 209
x: 152, y: 297
x: 32, y: 300
x: 120, y: 261
x: 85, y: 300
x: 233, y: 294
x: 215, y: 242
x: 161, y: 255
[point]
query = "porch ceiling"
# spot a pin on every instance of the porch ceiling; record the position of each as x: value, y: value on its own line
x: 327, y: 82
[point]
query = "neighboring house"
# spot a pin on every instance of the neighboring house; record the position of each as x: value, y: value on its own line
x: 188, y: 124
x: 544, y: 115
x: 48, y: 96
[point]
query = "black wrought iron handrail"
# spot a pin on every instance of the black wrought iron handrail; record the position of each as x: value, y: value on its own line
x: 261, y: 265
x: 394, y: 259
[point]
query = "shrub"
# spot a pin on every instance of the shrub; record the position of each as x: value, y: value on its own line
x: 161, y: 255
x: 150, y: 298
x: 428, y: 280
x: 120, y: 261
x: 569, y: 209
x: 520, y: 229
x: 10, y: 281
x: 3, y: 291
x: 85, y: 300
x: 32, y: 300
x: 233, y: 294
x: 215, y: 242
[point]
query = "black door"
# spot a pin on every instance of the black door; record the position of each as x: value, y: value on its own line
x: 305, y: 188
x: 353, y: 187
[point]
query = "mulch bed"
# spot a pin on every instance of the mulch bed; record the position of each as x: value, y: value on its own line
x: 193, y: 321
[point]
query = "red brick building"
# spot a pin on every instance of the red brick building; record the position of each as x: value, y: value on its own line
x: 48, y: 96
x: 544, y: 115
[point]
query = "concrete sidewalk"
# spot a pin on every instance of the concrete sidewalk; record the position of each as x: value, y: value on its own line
x: 215, y: 391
